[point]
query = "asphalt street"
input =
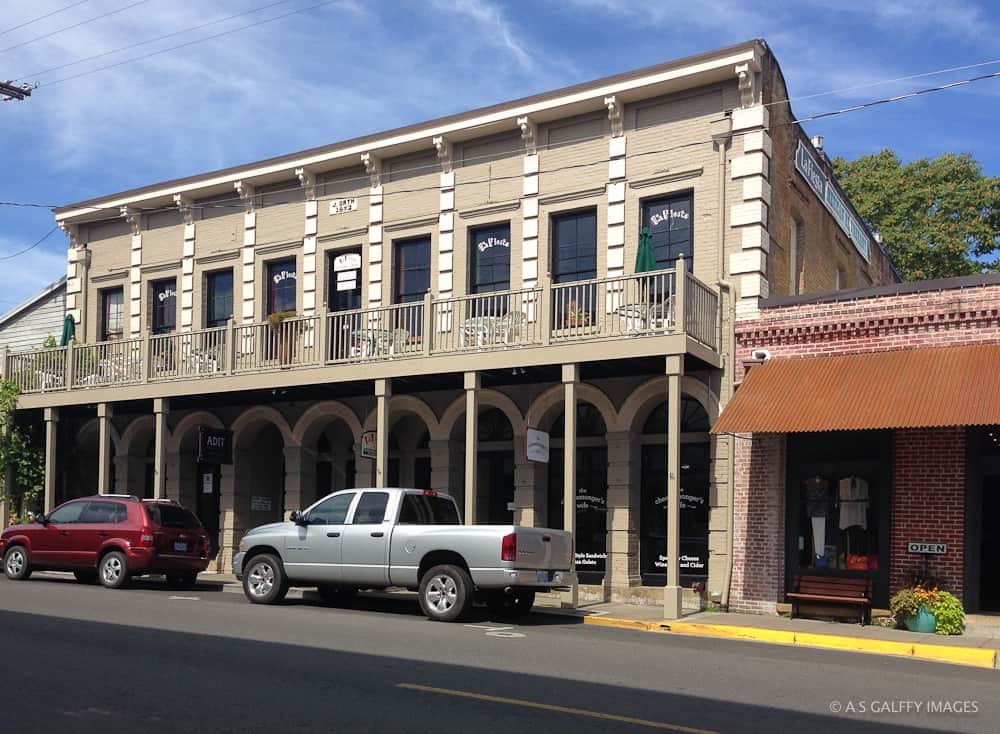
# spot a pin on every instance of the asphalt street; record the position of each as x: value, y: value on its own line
x: 146, y: 659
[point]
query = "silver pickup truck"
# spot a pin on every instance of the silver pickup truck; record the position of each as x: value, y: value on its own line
x: 379, y: 538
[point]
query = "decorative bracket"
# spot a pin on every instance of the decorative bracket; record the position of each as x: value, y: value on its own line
x: 133, y: 217
x: 72, y: 231
x: 308, y: 181
x: 615, y: 116
x: 373, y: 167
x: 443, y: 153
x: 529, y: 135
x: 186, y: 207
x: 747, y: 84
x: 246, y: 192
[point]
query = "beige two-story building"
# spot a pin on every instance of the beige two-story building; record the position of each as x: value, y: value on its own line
x: 456, y: 305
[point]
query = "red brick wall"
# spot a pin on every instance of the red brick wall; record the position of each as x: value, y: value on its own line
x: 928, y: 503
x: 759, y: 525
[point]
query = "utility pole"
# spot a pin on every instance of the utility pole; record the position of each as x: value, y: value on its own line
x: 9, y: 90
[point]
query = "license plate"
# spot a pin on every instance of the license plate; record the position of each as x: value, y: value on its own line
x: 181, y: 547
x: 544, y: 577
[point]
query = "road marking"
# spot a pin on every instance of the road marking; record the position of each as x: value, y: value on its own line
x: 185, y: 598
x: 496, y: 631
x: 557, y: 709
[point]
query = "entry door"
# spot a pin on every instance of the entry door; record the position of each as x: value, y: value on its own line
x: 591, y: 508
x: 344, y: 295
x: 989, y: 562
x: 208, y: 502
x: 497, y: 473
x: 365, y: 554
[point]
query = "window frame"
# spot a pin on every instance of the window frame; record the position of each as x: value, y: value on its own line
x: 357, y: 507
x: 398, y: 269
x: 554, y: 245
x: 473, y: 284
x: 351, y: 497
x: 105, y: 293
x: 667, y: 198
x: 271, y: 295
x: 159, y: 310
x: 211, y: 297
x: 82, y: 503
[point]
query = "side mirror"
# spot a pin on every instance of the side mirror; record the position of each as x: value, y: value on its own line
x: 297, y: 517
x: 41, y: 519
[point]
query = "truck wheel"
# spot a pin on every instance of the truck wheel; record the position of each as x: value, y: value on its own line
x: 513, y: 604
x: 336, y: 595
x: 445, y: 593
x: 113, y: 570
x: 16, y: 564
x: 264, y: 580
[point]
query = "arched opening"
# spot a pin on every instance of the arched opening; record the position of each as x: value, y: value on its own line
x: 336, y: 467
x: 194, y: 484
x: 591, y: 489
x: 80, y: 462
x: 494, y: 465
x: 695, y: 480
x: 260, y: 472
x: 409, y: 453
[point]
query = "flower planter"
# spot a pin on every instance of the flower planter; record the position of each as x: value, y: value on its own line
x: 922, y: 621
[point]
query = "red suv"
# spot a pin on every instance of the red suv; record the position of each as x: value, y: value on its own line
x: 110, y: 538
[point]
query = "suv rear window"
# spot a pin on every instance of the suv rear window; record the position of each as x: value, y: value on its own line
x: 171, y: 516
x: 423, y: 509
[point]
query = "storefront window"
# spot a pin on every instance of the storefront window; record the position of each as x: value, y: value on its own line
x: 838, y: 495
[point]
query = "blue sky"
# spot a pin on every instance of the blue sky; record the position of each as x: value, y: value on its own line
x: 354, y: 67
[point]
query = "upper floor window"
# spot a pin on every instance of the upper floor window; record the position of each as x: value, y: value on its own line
x: 344, y: 278
x: 412, y: 269
x: 281, y: 286
x: 490, y: 258
x: 163, y: 305
x: 218, y: 298
x: 112, y: 313
x: 574, y: 246
x: 669, y: 220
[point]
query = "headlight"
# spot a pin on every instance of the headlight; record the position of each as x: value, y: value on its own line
x: 243, y: 546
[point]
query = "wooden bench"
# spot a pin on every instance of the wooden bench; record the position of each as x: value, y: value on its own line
x: 833, y: 590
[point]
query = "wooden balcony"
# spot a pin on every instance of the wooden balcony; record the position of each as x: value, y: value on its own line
x: 653, y: 313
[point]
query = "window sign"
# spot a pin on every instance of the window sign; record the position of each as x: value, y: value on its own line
x: 281, y: 286
x: 347, y: 261
x: 827, y: 192
x: 538, y: 446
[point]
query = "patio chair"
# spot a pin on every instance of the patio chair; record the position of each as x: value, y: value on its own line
x: 508, y: 328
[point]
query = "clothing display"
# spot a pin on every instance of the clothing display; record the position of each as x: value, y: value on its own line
x: 817, y: 497
x: 819, y: 536
x: 853, y: 500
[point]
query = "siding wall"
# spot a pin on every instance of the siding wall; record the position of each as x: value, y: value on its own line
x: 30, y: 328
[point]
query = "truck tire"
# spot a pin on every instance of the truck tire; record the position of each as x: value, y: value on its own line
x: 264, y: 580
x: 445, y: 593
x: 16, y: 564
x: 509, y: 605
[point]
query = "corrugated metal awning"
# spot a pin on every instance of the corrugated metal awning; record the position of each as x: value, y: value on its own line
x: 911, y: 388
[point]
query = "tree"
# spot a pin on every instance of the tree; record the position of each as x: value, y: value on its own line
x: 938, y: 217
x: 20, y: 456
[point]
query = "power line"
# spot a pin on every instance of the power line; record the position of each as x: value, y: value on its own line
x: 41, y: 17
x: 190, y: 43
x: 30, y: 247
x: 70, y: 27
x: 153, y: 40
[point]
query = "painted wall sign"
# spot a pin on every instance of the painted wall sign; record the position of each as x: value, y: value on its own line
x: 827, y: 192
x: 347, y: 261
x: 215, y: 446
x: 538, y: 446
x: 490, y: 242
x: 369, y: 445
x: 935, y: 549
x: 342, y: 206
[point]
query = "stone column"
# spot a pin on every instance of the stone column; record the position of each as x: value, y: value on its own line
x: 383, y: 392
x: 235, y: 485
x: 526, y: 504
x: 570, y: 379
x: 441, y: 466
x: 623, y: 538
x: 300, y: 478
x: 160, y: 408
x: 104, y: 413
x: 672, y: 592
x: 51, y: 416
x: 472, y: 385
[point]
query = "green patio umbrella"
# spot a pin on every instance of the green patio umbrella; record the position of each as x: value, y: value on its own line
x: 645, y: 258
x: 68, y: 331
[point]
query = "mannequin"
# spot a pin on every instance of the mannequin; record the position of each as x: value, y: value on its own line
x: 817, y: 507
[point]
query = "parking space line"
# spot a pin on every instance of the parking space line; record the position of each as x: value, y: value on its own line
x: 557, y: 709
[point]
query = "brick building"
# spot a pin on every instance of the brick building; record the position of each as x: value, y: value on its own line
x: 892, y: 389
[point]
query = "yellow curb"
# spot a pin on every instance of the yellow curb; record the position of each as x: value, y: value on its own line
x: 972, y: 656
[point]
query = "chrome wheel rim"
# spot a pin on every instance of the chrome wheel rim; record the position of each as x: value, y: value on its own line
x: 442, y: 593
x: 112, y: 569
x: 15, y: 562
x: 260, y: 580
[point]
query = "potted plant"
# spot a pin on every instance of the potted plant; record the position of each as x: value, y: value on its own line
x: 949, y: 614
x: 282, y: 338
x: 911, y: 608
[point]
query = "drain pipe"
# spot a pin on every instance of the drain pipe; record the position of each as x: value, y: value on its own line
x: 731, y: 510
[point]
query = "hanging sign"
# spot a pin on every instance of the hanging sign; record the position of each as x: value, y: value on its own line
x: 215, y: 446
x: 342, y: 206
x: 369, y: 445
x: 347, y: 261
x: 538, y: 446
x: 827, y: 192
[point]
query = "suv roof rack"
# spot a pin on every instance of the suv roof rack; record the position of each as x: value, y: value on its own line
x: 118, y: 496
x: 164, y: 500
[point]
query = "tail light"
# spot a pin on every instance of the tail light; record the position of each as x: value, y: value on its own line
x: 146, y: 537
x: 430, y: 493
x: 508, y: 548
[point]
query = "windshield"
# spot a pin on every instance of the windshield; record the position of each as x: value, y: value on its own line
x: 172, y: 516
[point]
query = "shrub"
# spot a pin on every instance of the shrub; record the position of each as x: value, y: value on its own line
x: 949, y: 613
x: 903, y: 604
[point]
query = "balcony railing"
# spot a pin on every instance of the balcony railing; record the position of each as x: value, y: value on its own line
x: 645, y: 304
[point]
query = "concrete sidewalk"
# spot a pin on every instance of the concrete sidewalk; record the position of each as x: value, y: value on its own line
x: 978, y: 651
